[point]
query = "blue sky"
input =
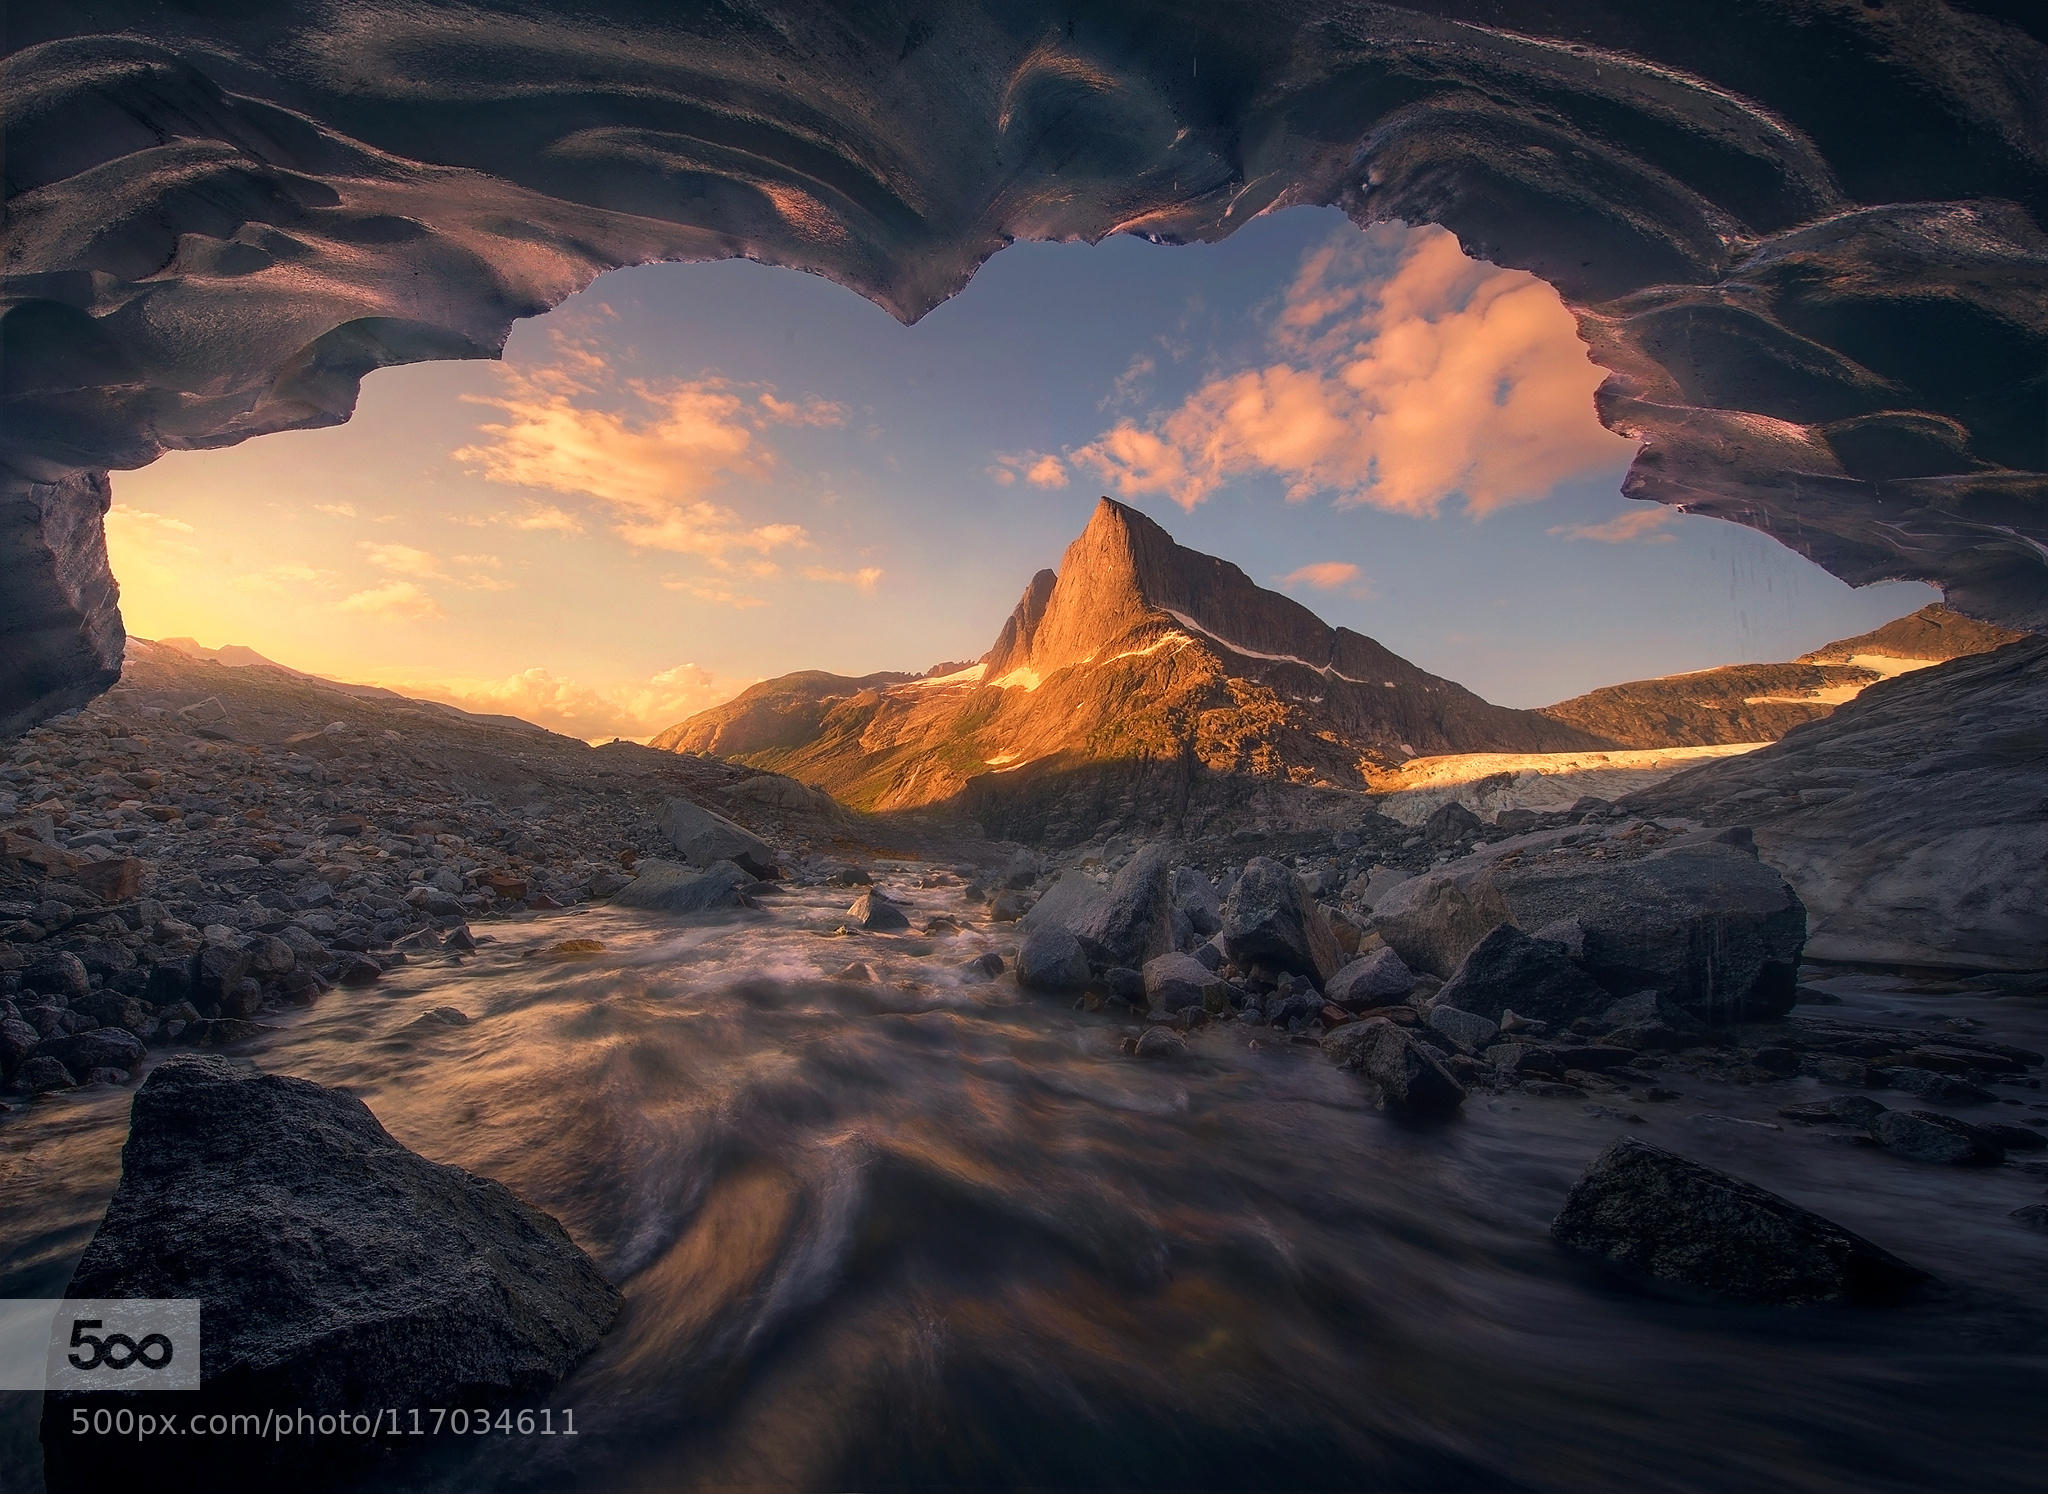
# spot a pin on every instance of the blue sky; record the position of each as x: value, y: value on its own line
x: 690, y: 477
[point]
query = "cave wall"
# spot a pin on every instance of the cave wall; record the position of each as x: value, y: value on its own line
x: 1806, y: 236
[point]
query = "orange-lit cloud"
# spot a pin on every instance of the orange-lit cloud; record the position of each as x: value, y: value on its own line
x: 863, y: 579
x: 1448, y: 377
x: 596, y: 714
x: 1637, y: 526
x: 401, y: 601
x: 710, y: 591
x: 1326, y: 575
x: 653, y: 452
x: 1038, y: 468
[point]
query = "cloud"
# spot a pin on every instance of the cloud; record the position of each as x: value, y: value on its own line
x: 281, y: 578
x: 546, y: 516
x: 1636, y: 526
x: 1035, y: 467
x: 405, y: 560
x: 1400, y: 373
x: 338, y: 510
x: 1128, y: 387
x: 863, y: 579
x: 141, y: 524
x: 595, y: 713
x: 710, y: 591
x: 1325, y: 575
x: 654, y: 452
x: 397, y: 600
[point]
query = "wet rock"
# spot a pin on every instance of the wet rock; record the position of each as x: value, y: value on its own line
x: 1269, y: 922
x: 1658, y: 1217
x: 1408, y: 1078
x: 569, y: 949
x: 1468, y: 1030
x: 670, y: 887
x: 1924, y: 1136
x: 2014, y: 1138
x: 1160, y: 1042
x: 874, y: 912
x: 439, y: 1018
x: 41, y: 1074
x: 1173, y: 981
x: 102, y: 1047
x: 1942, y: 1089
x: 703, y: 838
x: 1853, y: 1110
x: 1378, y: 979
x: 2033, y: 1216
x: 1518, y: 1061
x: 224, y: 1032
x: 356, y: 971
x: 58, y: 974
x: 1052, y: 960
x: 1508, y: 970
x: 17, y: 1041
x: 309, y: 1232
x: 984, y: 966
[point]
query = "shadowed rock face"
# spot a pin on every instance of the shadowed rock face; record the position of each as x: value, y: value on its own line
x: 1806, y: 237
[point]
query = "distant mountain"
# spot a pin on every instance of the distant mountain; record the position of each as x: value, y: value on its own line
x: 240, y: 656
x: 1761, y: 702
x: 1136, y: 651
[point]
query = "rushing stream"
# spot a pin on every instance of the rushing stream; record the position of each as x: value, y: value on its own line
x: 925, y: 1231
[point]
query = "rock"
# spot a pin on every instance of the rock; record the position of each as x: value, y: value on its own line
x: 1052, y: 960
x: 1451, y: 825
x: 1160, y: 1042
x: 57, y: 974
x: 1853, y: 1110
x: 1468, y: 1030
x: 339, y: 1270
x: 1702, y: 923
x: 270, y: 958
x: 1269, y: 922
x: 356, y: 971
x: 1173, y: 981
x: 671, y: 887
x: 223, y: 1032
x: 2033, y: 1216
x: 703, y: 839
x: 42, y: 1073
x: 1136, y: 918
x: 1509, y: 970
x: 216, y: 969
x: 1657, y: 1216
x: 1196, y: 900
x: 1408, y: 1078
x: 114, y: 880
x: 985, y: 966
x: 2014, y: 1138
x: 1924, y: 1136
x: 1379, y: 979
x: 1518, y: 1061
x: 573, y: 948
x: 875, y: 913
x: 438, y: 1019
x: 102, y: 1047
x: 1942, y: 1089
x: 17, y: 1041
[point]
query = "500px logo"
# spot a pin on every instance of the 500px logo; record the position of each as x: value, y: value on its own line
x: 141, y: 1343
x: 154, y: 1351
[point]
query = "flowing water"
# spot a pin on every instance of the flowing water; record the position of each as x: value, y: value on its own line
x: 921, y: 1231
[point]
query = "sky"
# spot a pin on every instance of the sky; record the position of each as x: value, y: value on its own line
x: 692, y: 477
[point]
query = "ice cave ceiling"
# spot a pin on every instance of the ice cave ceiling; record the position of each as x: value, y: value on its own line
x: 1806, y: 236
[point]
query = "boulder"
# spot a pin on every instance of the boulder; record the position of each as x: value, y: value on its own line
x: 17, y: 1041
x: 42, y: 1073
x: 703, y: 839
x: 339, y: 1270
x: 1470, y: 1031
x: 1160, y: 1042
x: 1196, y: 900
x: 1136, y: 918
x: 1658, y: 1217
x: 1269, y: 921
x: 1451, y: 824
x: 1070, y: 899
x: 1925, y: 1136
x: 1052, y: 959
x: 1378, y: 979
x: 1509, y: 971
x: 1407, y: 1076
x: 1175, y: 981
x: 1699, y: 921
x: 671, y: 887
x: 874, y: 912
x: 59, y: 974
x: 99, y: 1048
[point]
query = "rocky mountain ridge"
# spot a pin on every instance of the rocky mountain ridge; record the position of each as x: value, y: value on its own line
x: 1137, y: 651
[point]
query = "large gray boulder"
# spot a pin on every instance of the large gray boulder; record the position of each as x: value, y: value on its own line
x: 703, y: 838
x: 1052, y: 960
x: 1378, y: 979
x: 1268, y: 921
x: 1658, y: 1217
x: 1175, y: 981
x: 1696, y: 919
x: 1406, y: 1076
x: 1509, y: 971
x: 1136, y: 918
x: 671, y: 887
x: 339, y: 1271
